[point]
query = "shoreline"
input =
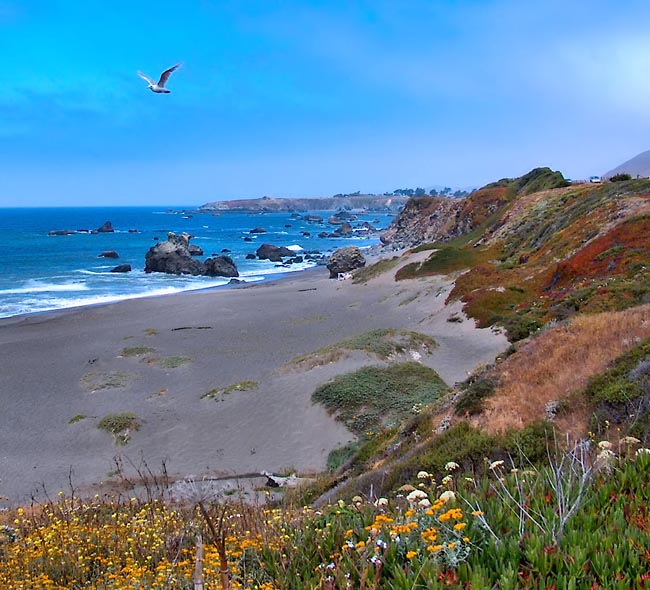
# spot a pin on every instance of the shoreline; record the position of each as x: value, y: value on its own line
x: 161, y: 358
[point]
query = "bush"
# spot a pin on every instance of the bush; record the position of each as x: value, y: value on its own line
x: 378, y: 397
x: 622, y: 176
x: 473, y: 395
x: 119, y: 425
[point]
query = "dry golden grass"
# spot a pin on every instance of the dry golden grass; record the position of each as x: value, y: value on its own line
x: 559, y: 363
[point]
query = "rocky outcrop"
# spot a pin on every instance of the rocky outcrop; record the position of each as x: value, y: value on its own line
x: 106, y: 227
x: 257, y: 230
x: 173, y: 257
x: 273, y: 253
x: 345, y: 229
x: 220, y: 266
x: 195, y: 250
x: 109, y: 254
x: 345, y: 260
x: 122, y: 268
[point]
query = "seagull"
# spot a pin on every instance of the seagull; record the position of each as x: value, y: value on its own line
x: 159, y: 88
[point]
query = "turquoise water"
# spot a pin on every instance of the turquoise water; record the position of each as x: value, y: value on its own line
x: 39, y: 272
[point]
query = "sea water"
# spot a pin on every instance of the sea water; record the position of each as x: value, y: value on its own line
x: 41, y: 272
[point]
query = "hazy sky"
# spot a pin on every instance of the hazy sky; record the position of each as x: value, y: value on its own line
x: 307, y: 97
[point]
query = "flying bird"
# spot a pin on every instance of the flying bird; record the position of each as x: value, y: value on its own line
x: 160, y: 86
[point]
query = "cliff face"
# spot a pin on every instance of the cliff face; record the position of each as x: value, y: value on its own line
x: 352, y: 202
x: 440, y: 219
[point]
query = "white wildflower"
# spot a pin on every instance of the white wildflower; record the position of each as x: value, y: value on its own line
x: 642, y: 451
x: 424, y: 503
x: 629, y: 440
x: 423, y: 475
x: 448, y: 496
x: 496, y: 464
x: 446, y: 480
x: 451, y: 466
x: 416, y: 495
x: 381, y: 502
x: 604, y: 445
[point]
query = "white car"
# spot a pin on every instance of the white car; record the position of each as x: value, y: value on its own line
x: 595, y: 179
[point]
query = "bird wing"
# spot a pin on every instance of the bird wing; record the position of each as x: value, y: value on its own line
x: 165, y: 75
x: 145, y: 77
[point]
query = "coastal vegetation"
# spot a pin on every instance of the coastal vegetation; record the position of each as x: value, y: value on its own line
x: 100, y: 380
x: 120, y: 425
x: 531, y: 473
x: 558, y: 526
x: 137, y: 351
x: 218, y: 393
x: 383, y: 343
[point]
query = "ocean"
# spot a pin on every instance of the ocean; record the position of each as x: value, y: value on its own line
x: 41, y: 272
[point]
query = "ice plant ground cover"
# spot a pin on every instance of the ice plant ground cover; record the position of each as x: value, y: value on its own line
x: 464, y: 533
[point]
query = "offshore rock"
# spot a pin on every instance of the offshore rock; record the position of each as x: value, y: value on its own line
x: 106, y: 227
x: 109, y: 254
x: 273, y: 253
x: 221, y: 266
x: 345, y: 260
x: 173, y: 257
x: 122, y: 268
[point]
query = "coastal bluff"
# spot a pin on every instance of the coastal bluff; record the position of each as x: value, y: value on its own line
x: 379, y: 203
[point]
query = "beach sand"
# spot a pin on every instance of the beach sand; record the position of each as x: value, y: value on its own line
x: 64, y: 371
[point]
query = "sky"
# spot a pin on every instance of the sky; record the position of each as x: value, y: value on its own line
x: 312, y: 98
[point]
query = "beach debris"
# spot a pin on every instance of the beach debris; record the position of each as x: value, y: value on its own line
x: 159, y: 87
x: 291, y: 481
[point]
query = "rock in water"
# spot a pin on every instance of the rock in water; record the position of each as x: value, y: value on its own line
x: 122, y: 268
x: 173, y: 257
x: 273, y: 253
x: 107, y: 227
x: 109, y: 254
x: 221, y: 266
x: 345, y: 260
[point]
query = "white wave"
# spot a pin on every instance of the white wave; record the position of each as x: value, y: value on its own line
x: 40, y: 287
x: 295, y: 248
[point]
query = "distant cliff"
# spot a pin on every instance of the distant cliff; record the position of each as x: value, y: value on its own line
x: 350, y: 203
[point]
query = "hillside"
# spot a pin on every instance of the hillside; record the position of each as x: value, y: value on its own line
x: 638, y: 166
x: 349, y: 202
x: 563, y: 270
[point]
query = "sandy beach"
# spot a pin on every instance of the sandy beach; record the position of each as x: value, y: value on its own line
x: 157, y: 358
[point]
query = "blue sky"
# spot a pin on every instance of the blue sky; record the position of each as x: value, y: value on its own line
x: 309, y: 98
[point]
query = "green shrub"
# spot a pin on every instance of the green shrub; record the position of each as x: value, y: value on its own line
x: 621, y: 177
x: 473, y: 394
x: 378, y: 397
x: 137, y: 351
x: 119, y: 425
x: 173, y: 362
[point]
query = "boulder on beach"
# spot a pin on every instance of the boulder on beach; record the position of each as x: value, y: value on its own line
x: 122, y: 268
x: 345, y: 260
x: 220, y: 266
x: 273, y: 253
x: 173, y: 257
x: 109, y: 254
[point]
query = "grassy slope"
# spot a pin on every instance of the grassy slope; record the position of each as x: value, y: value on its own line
x: 572, y: 259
